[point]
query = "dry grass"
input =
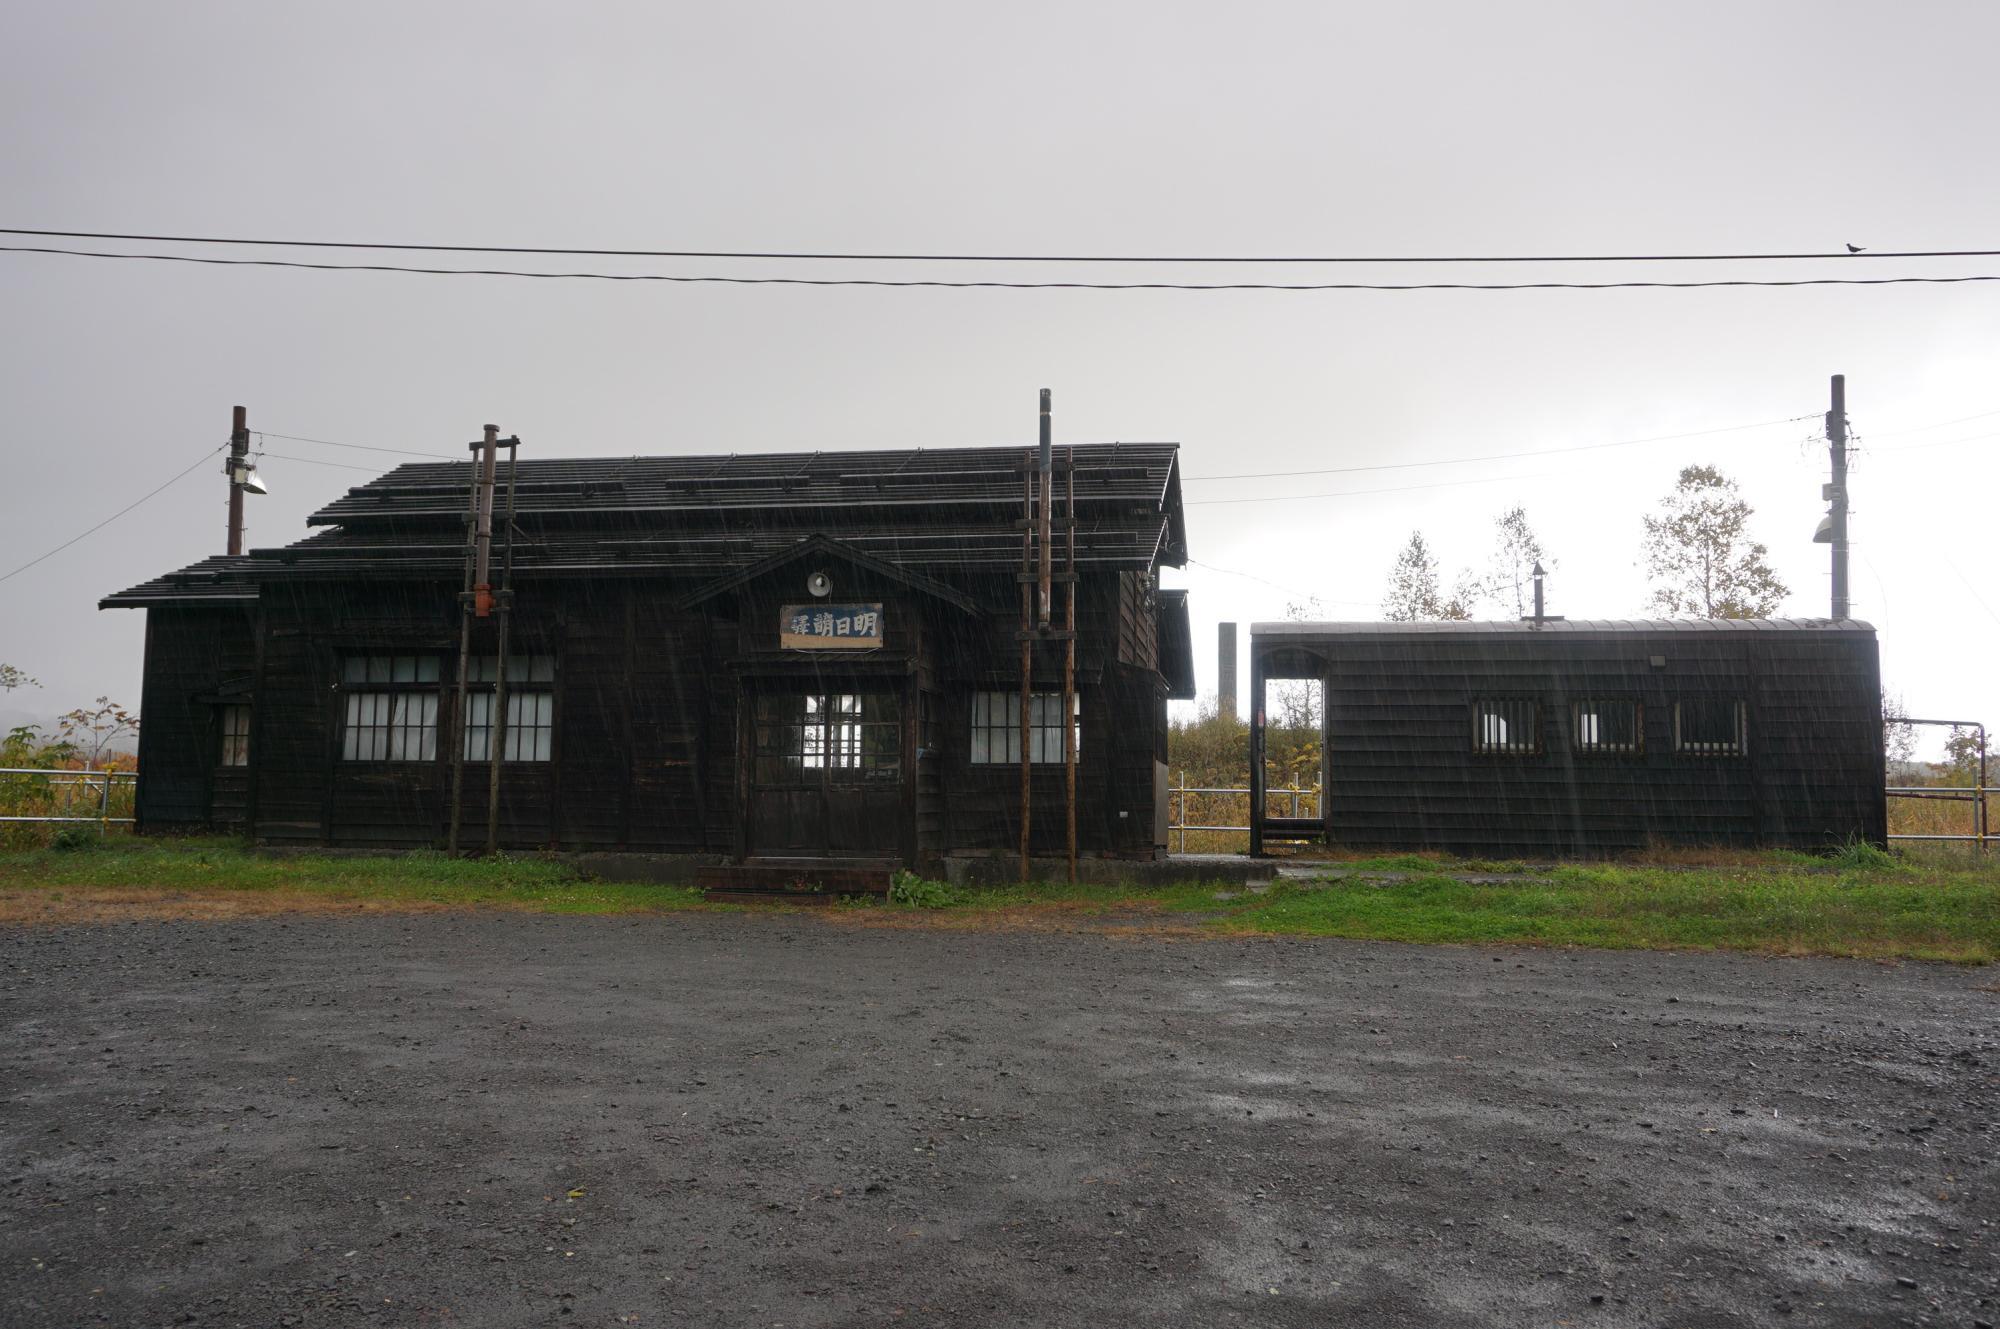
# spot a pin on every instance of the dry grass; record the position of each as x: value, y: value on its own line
x: 114, y: 904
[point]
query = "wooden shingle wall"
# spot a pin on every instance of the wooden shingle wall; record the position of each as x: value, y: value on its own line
x: 1403, y: 772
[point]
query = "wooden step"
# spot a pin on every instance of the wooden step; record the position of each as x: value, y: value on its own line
x: 795, y: 880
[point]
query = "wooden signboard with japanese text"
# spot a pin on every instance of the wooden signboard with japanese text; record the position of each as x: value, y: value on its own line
x: 830, y: 627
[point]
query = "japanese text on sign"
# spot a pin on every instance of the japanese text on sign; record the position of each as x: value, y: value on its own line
x: 828, y: 627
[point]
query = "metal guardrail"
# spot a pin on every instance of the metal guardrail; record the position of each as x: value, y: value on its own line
x: 103, y: 781
x: 1974, y: 794
x: 1177, y: 796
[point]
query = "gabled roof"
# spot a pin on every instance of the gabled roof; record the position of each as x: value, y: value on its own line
x: 819, y: 547
x: 1588, y: 626
x: 1107, y: 475
x: 935, y: 512
x: 218, y: 580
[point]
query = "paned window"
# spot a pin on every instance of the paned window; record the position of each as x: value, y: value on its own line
x: 1510, y: 725
x: 531, y: 707
x: 843, y: 737
x: 996, y: 728
x: 390, y: 707
x: 236, y: 735
x: 1605, y: 726
x: 1711, y: 727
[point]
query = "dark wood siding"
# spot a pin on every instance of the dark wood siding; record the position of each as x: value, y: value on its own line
x: 192, y: 654
x: 1403, y: 771
x: 649, y: 726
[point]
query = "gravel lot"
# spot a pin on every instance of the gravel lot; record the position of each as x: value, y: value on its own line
x: 781, y: 1119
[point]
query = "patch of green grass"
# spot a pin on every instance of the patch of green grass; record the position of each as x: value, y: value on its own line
x: 1856, y: 902
x: 1859, y: 910
x: 541, y: 884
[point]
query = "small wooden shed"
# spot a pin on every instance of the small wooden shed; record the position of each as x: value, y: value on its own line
x: 1577, y: 738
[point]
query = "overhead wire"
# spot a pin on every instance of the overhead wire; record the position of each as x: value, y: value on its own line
x: 151, y: 493
x: 1358, y: 493
x: 359, y: 447
x: 1500, y: 456
x: 943, y: 284
x: 841, y: 257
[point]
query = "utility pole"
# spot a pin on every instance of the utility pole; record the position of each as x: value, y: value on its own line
x: 237, y: 468
x: 1836, y: 439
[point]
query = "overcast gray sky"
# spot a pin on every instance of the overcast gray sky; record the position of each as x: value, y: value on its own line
x: 1073, y: 128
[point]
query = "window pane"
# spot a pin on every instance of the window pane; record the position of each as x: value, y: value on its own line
x: 1506, y: 724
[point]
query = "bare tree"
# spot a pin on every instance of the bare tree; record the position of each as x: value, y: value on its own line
x: 1699, y: 553
x: 1414, y: 595
x: 1516, y: 551
x: 90, y: 731
x: 1899, y: 736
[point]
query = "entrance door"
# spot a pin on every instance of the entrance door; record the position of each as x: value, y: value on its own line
x: 827, y: 775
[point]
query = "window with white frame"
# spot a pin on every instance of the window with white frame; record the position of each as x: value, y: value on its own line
x: 531, y: 707
x: 996, y: 728
x: 1511, y: 725
x: 1711, y: 727
x: 235, y: 735
x: 1607, y: 725
x: 390, y: 707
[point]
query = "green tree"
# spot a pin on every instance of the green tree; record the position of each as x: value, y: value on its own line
x: 1414, y: 595
x: 11, y: 677
x: 1699, y: 554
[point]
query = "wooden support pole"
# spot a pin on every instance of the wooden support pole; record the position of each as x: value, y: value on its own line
x: 1069, y: 661
x: 1836, y: 442
x: 239, y: 461
x: 496, y: 746
x: 456, y: 727
x: 1027, y: 653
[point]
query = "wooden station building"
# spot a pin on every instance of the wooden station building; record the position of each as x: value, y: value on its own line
x: 1570, y: 738
x: 780, y: 656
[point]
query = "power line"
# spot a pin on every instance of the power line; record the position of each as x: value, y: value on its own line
x: 1918, y: 429
x: 1498, y: 456
x: 687, y: 280
x: 1302, y: 595
x: 179, y: 475
x: 314, y: 461
x: 834, y: 257
x: 359, y: 447
x: 1357, y: 493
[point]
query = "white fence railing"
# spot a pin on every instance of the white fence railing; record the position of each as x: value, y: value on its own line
x: 87, y: 793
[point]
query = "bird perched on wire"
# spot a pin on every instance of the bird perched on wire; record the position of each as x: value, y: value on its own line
x: 1857, y: 249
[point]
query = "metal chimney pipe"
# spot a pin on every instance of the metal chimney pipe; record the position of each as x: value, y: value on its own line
x: 1045, y: 465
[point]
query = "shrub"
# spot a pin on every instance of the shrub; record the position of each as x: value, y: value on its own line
x: 69, y: 839
x: 913, y: 892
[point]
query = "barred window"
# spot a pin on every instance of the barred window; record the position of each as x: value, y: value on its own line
x: 996, y: 728
x: 390, y: 707
x: 848, y: 736
x: 1506, y: 724
x: 1605, y: 726
x: 1711, y: 727
x: 531, y: 707
x: 236, y: 735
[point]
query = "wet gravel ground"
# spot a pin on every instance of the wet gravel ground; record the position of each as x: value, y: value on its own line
x: 495, y: 1119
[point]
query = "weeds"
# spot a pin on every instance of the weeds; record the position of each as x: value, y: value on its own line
x: 913, y: 892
